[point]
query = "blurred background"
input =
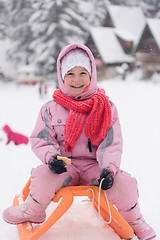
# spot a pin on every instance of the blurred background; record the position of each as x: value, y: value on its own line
x: 123, y: 35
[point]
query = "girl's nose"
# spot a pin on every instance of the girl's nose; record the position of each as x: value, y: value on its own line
x: 77, y: 78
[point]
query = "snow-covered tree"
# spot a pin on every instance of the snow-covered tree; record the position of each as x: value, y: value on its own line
x: 54, y: 24
x: 151, y: 8
x: 93, y: 11
x: 3, y: 20
x: 19, y: 30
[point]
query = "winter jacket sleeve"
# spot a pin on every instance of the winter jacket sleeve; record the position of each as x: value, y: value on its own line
x: 110, y: 150
x: 43, y: 138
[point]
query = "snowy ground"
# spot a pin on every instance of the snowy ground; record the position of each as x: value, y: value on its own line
x: 139, y: 112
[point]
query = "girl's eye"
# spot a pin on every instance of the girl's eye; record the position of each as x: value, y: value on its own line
x: 83, y: 72
x: 69, y: 74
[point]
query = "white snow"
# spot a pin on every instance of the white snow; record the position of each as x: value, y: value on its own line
x: 122, y: 33
x: 130, y: 19
x: 109, y: 48
x: 138, y: 106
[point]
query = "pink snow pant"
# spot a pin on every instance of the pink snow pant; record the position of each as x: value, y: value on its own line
x: 44, y: 184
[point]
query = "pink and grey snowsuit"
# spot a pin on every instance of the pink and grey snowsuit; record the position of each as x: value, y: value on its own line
x: 88, y: 160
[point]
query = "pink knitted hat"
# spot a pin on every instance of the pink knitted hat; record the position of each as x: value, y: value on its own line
x: 76, y: 57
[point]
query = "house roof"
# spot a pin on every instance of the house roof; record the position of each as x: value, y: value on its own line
x: 154, y: 26
x: 124, y: 35
x: 108, y: 45
x: 128, y: 19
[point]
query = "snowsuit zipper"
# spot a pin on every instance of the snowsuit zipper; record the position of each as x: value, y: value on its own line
x: 89, y: 145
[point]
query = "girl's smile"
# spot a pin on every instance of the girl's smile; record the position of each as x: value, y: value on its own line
x: 77, y: 80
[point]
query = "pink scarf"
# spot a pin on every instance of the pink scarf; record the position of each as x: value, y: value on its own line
x: 97, y: 122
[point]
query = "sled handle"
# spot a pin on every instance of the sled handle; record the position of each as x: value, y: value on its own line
x: 64, y: 159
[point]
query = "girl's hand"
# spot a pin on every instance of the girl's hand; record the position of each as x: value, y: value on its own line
x: 108, y: 179
x: 56, y: 166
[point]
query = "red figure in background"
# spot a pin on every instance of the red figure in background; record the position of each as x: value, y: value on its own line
x: 15, y: 137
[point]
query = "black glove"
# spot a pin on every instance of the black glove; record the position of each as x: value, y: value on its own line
x: 56, y: 166
x: 108, y: 179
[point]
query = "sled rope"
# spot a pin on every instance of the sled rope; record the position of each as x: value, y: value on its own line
x: 99, y: 210
x: 99, y: 200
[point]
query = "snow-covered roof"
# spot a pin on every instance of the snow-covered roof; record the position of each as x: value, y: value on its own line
x: 108, y: 45
x: 154, y: 26
x: 129, y: 19
x: 124, y: 34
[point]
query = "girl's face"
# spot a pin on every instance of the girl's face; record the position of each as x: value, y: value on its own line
x: 76, y: 80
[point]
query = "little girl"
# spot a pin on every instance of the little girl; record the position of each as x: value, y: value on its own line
x: 82, y: 124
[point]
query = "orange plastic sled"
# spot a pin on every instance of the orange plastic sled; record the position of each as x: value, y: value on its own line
x: 121, y: 227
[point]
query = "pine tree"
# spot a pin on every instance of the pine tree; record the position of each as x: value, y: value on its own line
x: 93, y: 11
x: 151, y: 8
x: 54, y: 24
x: 19, y: 30
x: 3, y: 23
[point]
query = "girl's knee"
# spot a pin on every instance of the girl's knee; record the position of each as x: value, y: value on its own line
x: 125, y: 183
x: 45, y: 183
x: 124, y: 192
x: 41, y: 184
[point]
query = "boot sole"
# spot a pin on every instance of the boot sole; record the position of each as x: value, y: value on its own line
x: 20, y: 222
x: 151, y: 236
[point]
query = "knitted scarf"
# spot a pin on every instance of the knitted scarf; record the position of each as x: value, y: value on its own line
x: 97, y: 122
